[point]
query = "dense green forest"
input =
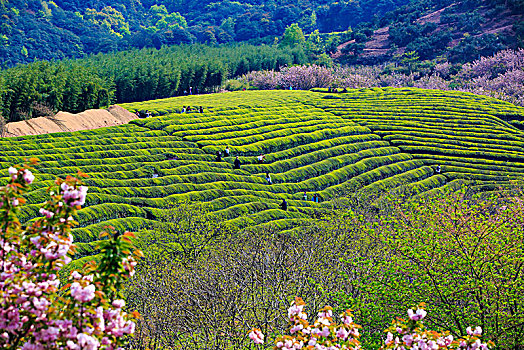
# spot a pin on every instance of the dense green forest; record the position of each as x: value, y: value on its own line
x: 42, y: 87
x: 46, y: 30
x: 37, y: 29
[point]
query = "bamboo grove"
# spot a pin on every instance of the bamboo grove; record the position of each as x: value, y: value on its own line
x: 38, y: 88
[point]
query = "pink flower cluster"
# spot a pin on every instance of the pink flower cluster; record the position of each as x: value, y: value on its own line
x: 296, y: 77
x: 326, y: 334
x: 256, y: 336
x: 27, y: 175
x: 52, y: 246
x: 72, y: 195
x: 411, y: 334
x: 34, y: 313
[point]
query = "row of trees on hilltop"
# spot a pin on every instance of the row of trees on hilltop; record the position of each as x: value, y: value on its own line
x: 40, y: 88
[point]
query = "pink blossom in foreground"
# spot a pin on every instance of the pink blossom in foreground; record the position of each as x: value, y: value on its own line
x: 476, y: 331
x: 74, y: 196
x: 418, y: 315
x: 256, y: 336
x: 328, y: 335
x: 13, y: 172
x: 33, y: 315
x: 28, y: 176
x: 82, y: 294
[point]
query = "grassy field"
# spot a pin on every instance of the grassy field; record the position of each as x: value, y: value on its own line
x: 313, y: 141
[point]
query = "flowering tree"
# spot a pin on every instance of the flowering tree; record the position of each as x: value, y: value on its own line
x: 36, y: 313
x: 326, y: 334
x: 323, y: 334
x: 500, y: 76
x: 412, y: 334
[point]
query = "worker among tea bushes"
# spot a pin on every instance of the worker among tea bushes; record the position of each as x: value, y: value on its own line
x: 261, y: 159
x: 219, y: 156
x: 283, y: 205
x: 437, y: 170
x: 226, y: 151
x: 237, y: 163
x: 304, y: 196
x: 268, y: 179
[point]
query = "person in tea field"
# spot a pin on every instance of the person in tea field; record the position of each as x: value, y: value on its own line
x: 268, y: 179
x: 304, y: 196
x: 183, y: 109
x: 201, y: 109
x: 261, y: 159
x: 236, y: 163
x: 438, y: 169
x: 315, y: 198
x: 226, y: 151
x: 219, y: 156
x: 283, y: 205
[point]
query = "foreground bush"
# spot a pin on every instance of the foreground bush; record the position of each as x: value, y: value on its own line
x: 36, y: 313
x: 326, y: 334
x: 459, y: 253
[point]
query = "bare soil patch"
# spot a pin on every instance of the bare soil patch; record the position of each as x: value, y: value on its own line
x: 64, y: 121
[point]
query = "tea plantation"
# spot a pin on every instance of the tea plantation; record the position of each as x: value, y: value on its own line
x: 313, y: 141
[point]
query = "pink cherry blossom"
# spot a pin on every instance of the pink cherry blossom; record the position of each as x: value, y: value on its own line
x: 476, y: 331
x: 119, y: 303
x: 418, y: 315
x: 342, y: 333
x: 82, y: 294
x: 256, y: 336
x: 28, y: 176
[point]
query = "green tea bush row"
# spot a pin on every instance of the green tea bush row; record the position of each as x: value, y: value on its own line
x: 408, y: 140
x: 248, y: 124
x: 386, y: 171
x: 464, y: 152
x: 123, y: 145
x: 236, y: 139
x: 293, y: 163
x: 266, y: 131
x: 281, y: 143
x: 481, y: 164
x: 263, y: 217
x: 92, y: 232
x: 300, y: 154
x: 467, y: 137
x: 363, y: 161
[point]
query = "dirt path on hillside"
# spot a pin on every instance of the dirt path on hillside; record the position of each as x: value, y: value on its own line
x: 63, y: 121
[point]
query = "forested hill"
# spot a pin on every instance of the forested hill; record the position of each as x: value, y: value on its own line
x: 37, y: 29
x: 45, y: 30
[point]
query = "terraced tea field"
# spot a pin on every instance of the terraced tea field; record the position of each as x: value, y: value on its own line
x: 322, y: 143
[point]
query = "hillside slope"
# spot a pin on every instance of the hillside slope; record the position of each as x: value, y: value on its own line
x: 462, y: 31
x: 328, y: 144
x: 47, y: 30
